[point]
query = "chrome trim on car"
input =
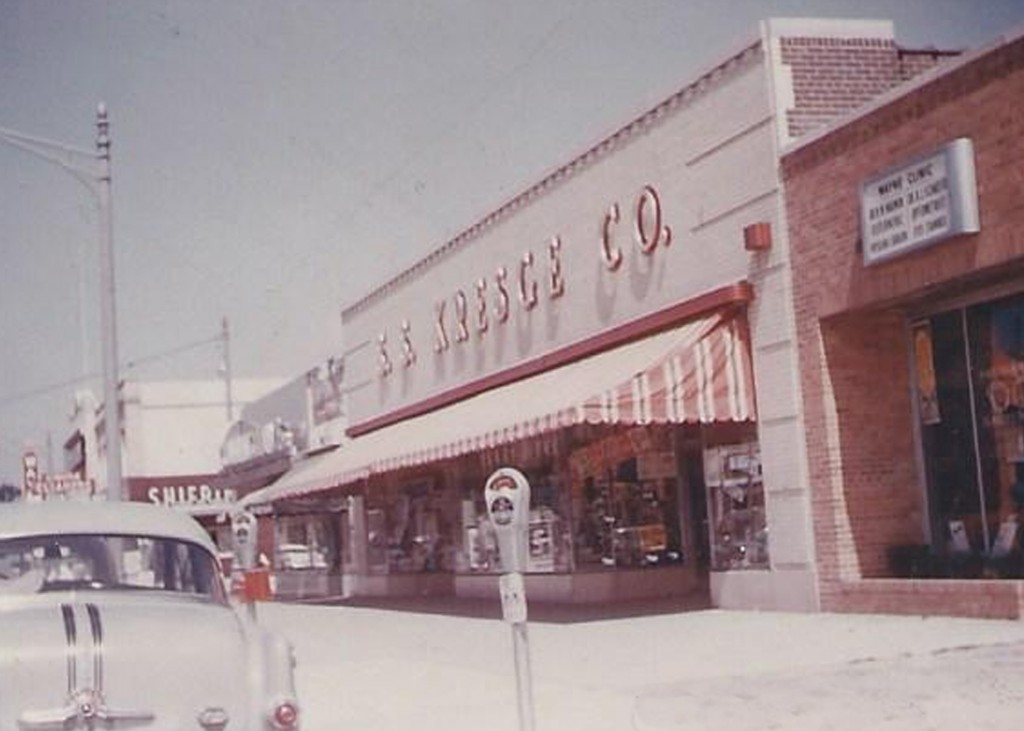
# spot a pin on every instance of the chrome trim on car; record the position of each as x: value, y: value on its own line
x: 97, y: 647
x: 51, y: 718
x: 71, y: 638
x: 84, y: 706
x: 213, y: 719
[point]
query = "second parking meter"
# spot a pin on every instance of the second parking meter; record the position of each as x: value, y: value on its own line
x: 507, y: 495
x: 243, y: 529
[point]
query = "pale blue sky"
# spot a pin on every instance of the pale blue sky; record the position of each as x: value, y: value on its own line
x: 275, y: 160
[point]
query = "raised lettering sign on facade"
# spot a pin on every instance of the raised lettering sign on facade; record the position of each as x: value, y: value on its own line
x: 485, y: 305
x: 920, y: 203
x: 192, y: 494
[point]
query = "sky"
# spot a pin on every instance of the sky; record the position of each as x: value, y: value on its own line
x: 274, y: 161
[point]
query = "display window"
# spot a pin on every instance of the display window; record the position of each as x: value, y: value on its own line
x: 736, y: 504
x: 602, y: 498
x: 409, y: 527
x: 303, y: 542
x: 547, y: 535
x: 550, y: 544
x: 625, y: 501
x: 969, y: 365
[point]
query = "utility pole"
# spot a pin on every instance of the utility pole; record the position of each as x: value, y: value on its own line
x: 226, y: 340
x: 49, y: 452
x: 96, y: 177
x: 108, y: 311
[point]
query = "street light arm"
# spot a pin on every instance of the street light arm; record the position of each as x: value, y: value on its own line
x: 42, y: 148
x: 97, y: 181
x: 42, y: 142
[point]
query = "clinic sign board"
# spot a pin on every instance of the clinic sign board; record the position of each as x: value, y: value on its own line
x: 919, y: 203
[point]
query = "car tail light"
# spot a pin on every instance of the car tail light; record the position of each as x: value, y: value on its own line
x: 285, y: 716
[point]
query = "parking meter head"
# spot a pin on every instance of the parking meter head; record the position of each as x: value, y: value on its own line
x: 507, y: 496
x: 243, y: 530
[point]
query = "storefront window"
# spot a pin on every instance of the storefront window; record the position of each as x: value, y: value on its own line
x: 736, y: 506
x: 947, y: 427
x: 376, y: 540
x: 625, y: 504
x: 996, y: 333
x: 302, y: 542
x: 409, y: 528
x: 549, y: 547
x: 973, y: 433
x: 475, y: 547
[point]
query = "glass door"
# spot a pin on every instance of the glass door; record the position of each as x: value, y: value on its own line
x: 970, y: 381
x: 996, y: 340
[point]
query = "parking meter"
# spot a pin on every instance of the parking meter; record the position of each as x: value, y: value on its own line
x: 243, y: 528
x: 507, y: 495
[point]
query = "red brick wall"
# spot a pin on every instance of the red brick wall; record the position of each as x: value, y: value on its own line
x: 870, y: 475
x: 989, y: 599
x: 853, y: 346
x: 981, y: 100
x: 832, y: 76
x: 912, y: 62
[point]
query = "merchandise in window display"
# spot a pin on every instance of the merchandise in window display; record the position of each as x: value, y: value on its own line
x: 739, y: 535
x: 547, y: 541
x: 302, y: 542
x: 543, y: 529
x: 376, y: 541
x: 974, y: 456
x: 627, y: 522
x: 482, y: 546
x: 408, y: 530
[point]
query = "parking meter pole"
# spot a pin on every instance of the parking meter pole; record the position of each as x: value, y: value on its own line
x: 507, y: 496
x: 524, y: 676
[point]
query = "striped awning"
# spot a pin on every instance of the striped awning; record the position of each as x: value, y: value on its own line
x: 699, y: 372
x: 705, y: 377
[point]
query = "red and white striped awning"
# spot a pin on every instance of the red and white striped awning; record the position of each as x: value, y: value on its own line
x: 699, y: 372
x: 705, y: 377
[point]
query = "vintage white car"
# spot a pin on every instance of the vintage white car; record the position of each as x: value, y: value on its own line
x: 300, y: 556
x: 114, y: 616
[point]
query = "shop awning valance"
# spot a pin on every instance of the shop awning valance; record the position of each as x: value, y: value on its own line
x: 325, y: 470
x: 699, y: 372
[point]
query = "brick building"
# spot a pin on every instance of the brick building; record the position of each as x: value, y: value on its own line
x: 907, y: 243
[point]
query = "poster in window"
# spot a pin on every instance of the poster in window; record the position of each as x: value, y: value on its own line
x: 928, y: 397
x: 542, y: 555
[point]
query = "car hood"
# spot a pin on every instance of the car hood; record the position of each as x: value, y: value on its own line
x: 132, y: 661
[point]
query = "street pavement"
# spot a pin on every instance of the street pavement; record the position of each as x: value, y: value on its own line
x: 431, y: 665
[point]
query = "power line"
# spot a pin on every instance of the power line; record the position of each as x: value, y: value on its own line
x: 43, y: 390
x: 173, y: 351
x: 128, y: 365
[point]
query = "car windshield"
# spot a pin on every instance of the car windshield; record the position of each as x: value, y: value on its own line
x: 59, y: 562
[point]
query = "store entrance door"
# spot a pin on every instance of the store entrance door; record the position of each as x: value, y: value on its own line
x: 698, y: 518
x: 694, y: 510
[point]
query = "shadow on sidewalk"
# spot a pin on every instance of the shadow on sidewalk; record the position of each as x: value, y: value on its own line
x: 547, y: 612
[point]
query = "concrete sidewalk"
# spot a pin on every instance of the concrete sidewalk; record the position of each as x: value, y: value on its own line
x: 411, y: 665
